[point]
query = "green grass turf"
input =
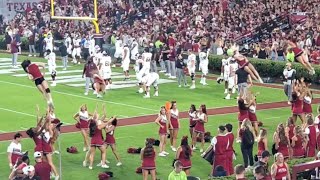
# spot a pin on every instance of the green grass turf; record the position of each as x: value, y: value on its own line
x: 134, y: 136
x: 21, y: 95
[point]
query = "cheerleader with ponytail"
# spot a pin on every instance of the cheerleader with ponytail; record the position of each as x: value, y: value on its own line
x: 184, y: 154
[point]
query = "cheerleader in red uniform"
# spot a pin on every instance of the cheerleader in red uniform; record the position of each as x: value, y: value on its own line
x: 201, y: 118
x: 244, y: 63
x: 48, y: 137
x: 262, y: 142
x: 35, y: 133
x: 148, y: 158
x: 307, y: 100
x: 55, y: 122
x: 299, y: 143
x: 317, y: 125
x: 243, y: 113
x: 230, y: 150
x: 311, y: 131
x: 192, y: 115
x: 297, y: 104
x: 290, y: 127
x: 184, y: 154
x: 252, y: 114
x: 299, y: 55
x: 280, y: 169
x: 99, y: 84
x: 95, y: 132
x: 281, y: 140
x: 83, y: 117
x: 110, y: 140
x: 174, y: 125
x: 162, y: 122
x: 34, y: 74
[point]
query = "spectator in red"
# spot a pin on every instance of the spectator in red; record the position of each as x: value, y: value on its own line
x: 219, y: 144
x: 230, y: 151
x: 315, y: 57
x: 42, y: 169
x: 171, y: 40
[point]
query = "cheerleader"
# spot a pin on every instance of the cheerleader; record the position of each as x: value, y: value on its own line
x: 281, y: 141
x: 243, y: 113
x: 201, y: 118
x: 299, y: 143
x: 307, y: 100
x: 299, y: 55
x: 262, y: 142
x: 244, y: 63
x: 82, y: 117
x: 57, y: 124
x: 174, y: 125
x: 311, y: 131
x: 48, y: 137
x: 184, y: 154
x: 162, y: 122
x: 230, y: 150
x: 297, y: 104
x: 192, y: 115
x: 148, y: 158
x: 110, y: 140
x: 99, y: 84
x: 252, y: 114
x: 280, y: 169
x: 95, y: 132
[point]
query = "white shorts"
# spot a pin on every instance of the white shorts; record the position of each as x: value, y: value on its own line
x: 69, y: 51
x: 142, y: 72
x: 76, y: 52
x: 125, y: 65
x: 52, y: 68
x: 191, y: 70
x: 154, y: 83
x: 107, y: 75
x: 118, y: 54
x: 231, y: 82
x: 204, y: 69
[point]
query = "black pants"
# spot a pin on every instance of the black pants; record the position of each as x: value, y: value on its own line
x: 247, y: 155
x: 86, y: 53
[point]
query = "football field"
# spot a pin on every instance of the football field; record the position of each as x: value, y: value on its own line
x: 19, y: 98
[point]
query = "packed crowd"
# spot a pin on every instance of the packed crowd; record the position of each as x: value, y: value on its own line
x: 209, y: 23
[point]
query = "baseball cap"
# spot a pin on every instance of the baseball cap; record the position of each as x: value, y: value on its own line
x: 37, y: 154
x: 265, y: 154
x: 28, y: 169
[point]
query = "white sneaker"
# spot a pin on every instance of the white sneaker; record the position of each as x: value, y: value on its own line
x: 165, y: 153
x: 29, y: 55
x: 86, y: 93
x: 227, y: 97
x: 156, y: 94
x: 53, y: 83
x: 167, y: 74
x: 193, y: 87
x: 105, y: 166
x: 173, y: 149
x: 35, y: 55
x: 90, y: 167
x: 140, y: 91
x: 113, y: 65
x: 146, y: 96
x: 95, y: 93
x: 194, y: 148
x: 173, y: 77
x: 162, y: 155
x: 78, y: 62
x: 201, y: 150
x: 119, y: 164
x: 99, y: 164
x: 233, y: 90
x: 56, y: 178
x: 99, y: 96
x: 84, y: 164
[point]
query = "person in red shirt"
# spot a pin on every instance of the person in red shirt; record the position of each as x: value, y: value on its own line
x: 230, y: 151
x: 34, y: 74
x: 281, y: 141
x: 262, y: 142
x: 311, y: 131
x: 240, y: 172
x: 298, y: 143
x: 280, y: 169
x: 42, y: 169
x: 297, y: 104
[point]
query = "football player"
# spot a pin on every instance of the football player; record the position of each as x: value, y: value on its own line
x: 51, y: 57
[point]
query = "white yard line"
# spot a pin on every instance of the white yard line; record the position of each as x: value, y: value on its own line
x: 83, y: 97
x: 17, y: 112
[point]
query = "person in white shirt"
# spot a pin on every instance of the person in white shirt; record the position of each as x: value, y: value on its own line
x: 86, y: 46
x: 105, y: 67
x: 225, y: 68
x: 203, y: 66
x: 76, y: 53
x: 233, y: 67
x: 92, y: 43
x: 146, y: 60
x: 289, y: 80
x: 97, y: 55
x: 126, y: 62
x: 14, y: 150
x: 68, y: 43
x: 51, y: 57
x: 119, y: 49
x: 147, y: 81
x: 192, y: 68
x: 49, y: 42
x: 134, y: 49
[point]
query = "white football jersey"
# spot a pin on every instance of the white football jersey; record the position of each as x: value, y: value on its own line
x: 67, y: 42
x: 49, y: 42
x: 97, y: 57
x: 203, y: 57
x: 76, y: 42
x: 118, y: 45
x: 233, y: 69
x: 105, y: 63
x: 225, y: 62
x: 135, y: 49
x: 191, y: 58
x: 146, y: 59
x: 127, y: 58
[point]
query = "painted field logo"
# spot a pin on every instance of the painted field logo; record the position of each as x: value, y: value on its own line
x: 72, y: 78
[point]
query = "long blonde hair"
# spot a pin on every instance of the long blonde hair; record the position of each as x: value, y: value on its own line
x: 246, y: 124
x: 262, y: 134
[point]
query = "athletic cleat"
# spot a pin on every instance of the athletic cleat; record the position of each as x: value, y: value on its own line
x: 119, y: 164
x: 156, y: 94
x: 84, y: 164
x: 193, y: 87
x: 162, y: 155
x: 104, y: 166
x: 146, y: 96
x: 95, y: 93
x: 53, y: 83
x: 86, y: 93
x: 99, y: 96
